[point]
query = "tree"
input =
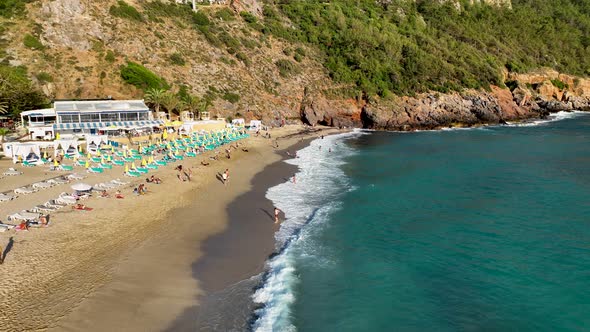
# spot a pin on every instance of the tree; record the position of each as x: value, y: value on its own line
x: 3, y: 133
x: 192, y: 105
x: 155, y: 97
x: 171, y: 102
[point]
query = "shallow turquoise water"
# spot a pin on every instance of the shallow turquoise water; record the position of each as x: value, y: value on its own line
x: 466, y: 230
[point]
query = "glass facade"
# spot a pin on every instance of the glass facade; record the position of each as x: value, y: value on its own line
x: 109, y: 117
x: 69, y: 118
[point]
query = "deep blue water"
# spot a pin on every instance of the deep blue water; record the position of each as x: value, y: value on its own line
x: 465, y: 230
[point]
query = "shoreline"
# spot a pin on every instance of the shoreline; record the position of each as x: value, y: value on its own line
x: 127, y: 265
x: 234, y: 259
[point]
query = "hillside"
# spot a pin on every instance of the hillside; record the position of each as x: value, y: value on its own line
x: 333, y: 62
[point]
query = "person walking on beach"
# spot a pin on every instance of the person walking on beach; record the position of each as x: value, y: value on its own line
x: 225, y: 176
x: 277, y: 211
x: 294, y: 179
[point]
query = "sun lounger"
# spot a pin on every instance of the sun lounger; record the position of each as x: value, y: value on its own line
x: 106, y: 166
x: 142, y: 170
x: 65, y: 167
x: 118, y: 162
x: 57, y: 181
x: 66, y: 200
x: 191, y: 154
x: 43, y: 208
x: 41, y: 185
x: 95, y: 170
x: 134, y: 174
x: 75, y: 176
x: 53, y: 204
x: 5, y: 197
x: 119, y: 182
x: 96, y: 159
x: 24, y: 191
x: 161, y: 162
x: 29, y: 163
x: 12, y: 172
x: 23, y: 215
x: 152, y: 166
x: 80, y: 163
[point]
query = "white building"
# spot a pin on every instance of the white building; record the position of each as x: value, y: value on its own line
x: 88, y: 118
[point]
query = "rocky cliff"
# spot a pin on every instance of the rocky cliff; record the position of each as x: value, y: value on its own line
x: 84, y: 46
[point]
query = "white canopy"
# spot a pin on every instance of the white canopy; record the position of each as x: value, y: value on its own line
x: 26, y: 151
x: 81, y: 187
x: 255, y: 124
x: 93, y: 142
x: 238, y: 122
x: 65, y: 145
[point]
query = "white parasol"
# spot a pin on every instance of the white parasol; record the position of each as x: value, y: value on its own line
x: 81, y: 187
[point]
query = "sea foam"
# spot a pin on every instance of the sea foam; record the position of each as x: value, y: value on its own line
x: 306, y: 205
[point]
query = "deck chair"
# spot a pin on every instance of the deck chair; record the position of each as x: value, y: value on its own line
x: 95, y: 170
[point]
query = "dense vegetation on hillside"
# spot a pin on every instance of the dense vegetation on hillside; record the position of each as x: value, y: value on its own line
x: 369, y: 47
x: 403, y: 47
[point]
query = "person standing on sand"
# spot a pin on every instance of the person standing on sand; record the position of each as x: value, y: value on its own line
x: 294, y: 179
x: 225, y: 176
x: 277, y: 211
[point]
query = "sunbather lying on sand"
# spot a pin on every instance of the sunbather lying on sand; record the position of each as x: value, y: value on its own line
x: 81, y: 207
x: 118, y: 194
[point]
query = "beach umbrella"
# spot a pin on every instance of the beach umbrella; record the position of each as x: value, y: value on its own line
x: 125, y: 153
x: 55, y: 163
x: 165, y: 134
x: 133, y: 165
x: 87, y: 164
x: 126, y: 168
x: 57, y: 136
x: 81, y: 187
x: 98, y: 152
x: 143, y: 162
x: 109, y: 158
x: 45, y: 154
x: 80, y: 148
x: 88, y: 155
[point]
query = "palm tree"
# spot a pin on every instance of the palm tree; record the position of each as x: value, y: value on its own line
x: 155, y: 97
x: 192, y: 105
x: 3, y: 107
x: 171, y: 103
x: 3, y: 133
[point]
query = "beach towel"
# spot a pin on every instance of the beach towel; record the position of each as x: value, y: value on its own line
x: 83, y: 208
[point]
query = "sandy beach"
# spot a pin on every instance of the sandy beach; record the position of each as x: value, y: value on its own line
x: 129, y: 264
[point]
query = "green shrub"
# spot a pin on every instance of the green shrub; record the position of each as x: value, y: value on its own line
x: 249, y: 43
x: 110, y: 56
x: 286, y: 67
x: 242, y: 57
x: 231, y: 97
x: 10, y: 8
x: 225, y: 14
x: 287, y: 51
x: 141, y: 77
x: 200, y: 19
x: 159, y: 35
x: 248, y: 17
x: 44, y: 77
x: 177, y: 59
x: 300, y: 51
x: 32, y: 42
x: 124, y: 10
x: 559, y: 84
x: 228, y: 40
x: 298, y: 57
x: 511, y: 85
x: 210, y: 36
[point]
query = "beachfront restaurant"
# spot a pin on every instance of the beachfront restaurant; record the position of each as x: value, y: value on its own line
x: 39, y: 123
x: 97, y: 117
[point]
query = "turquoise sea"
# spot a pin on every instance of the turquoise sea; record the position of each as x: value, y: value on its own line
x: 482, y: 229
